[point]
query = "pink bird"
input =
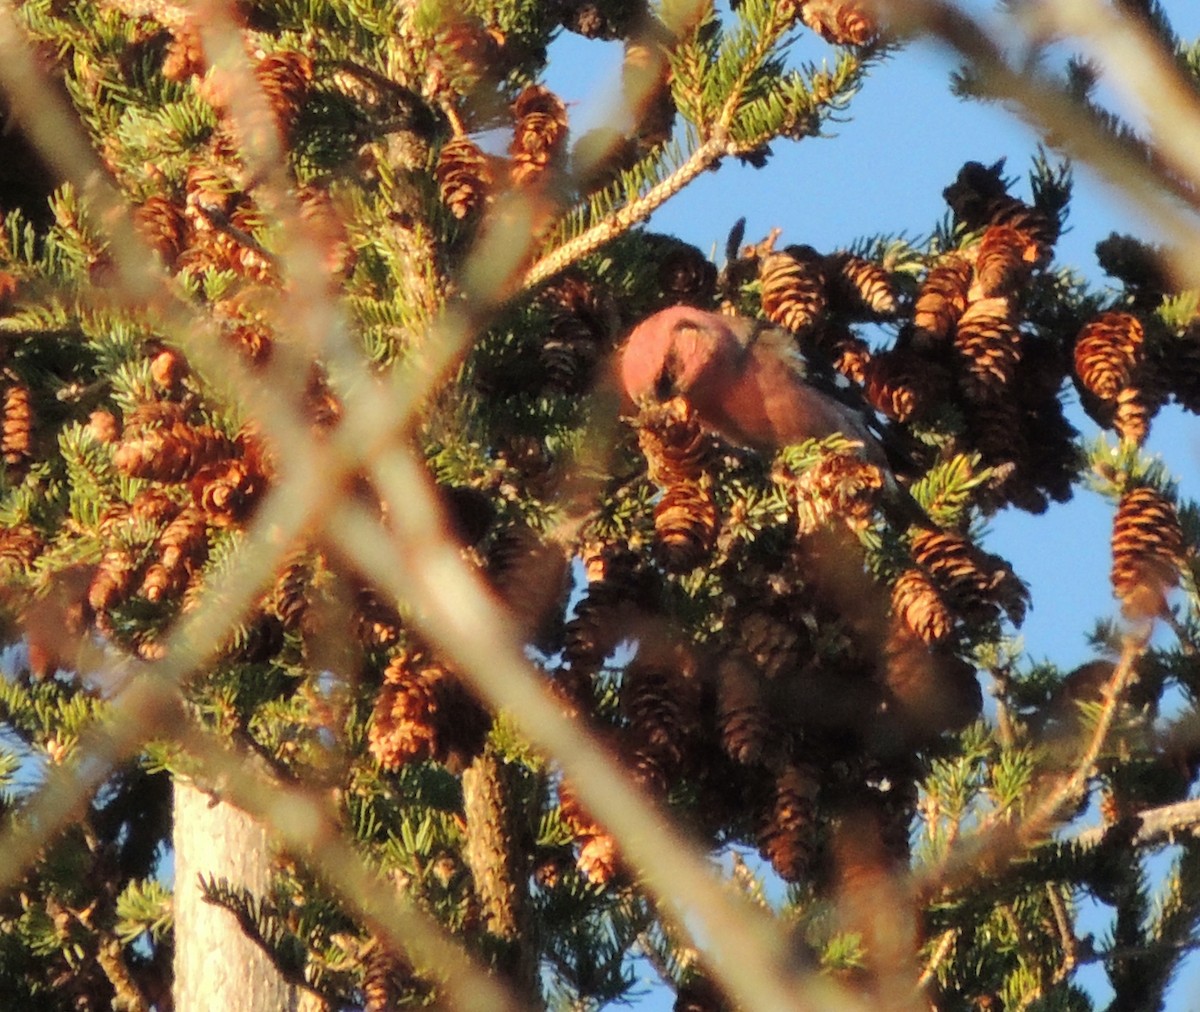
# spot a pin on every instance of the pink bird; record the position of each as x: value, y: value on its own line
x: 747, y: 381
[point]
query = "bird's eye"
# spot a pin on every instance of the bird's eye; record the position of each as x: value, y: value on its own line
x: 666, y: 382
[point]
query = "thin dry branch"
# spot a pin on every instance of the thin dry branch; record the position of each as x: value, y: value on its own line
x: 1156, y: 826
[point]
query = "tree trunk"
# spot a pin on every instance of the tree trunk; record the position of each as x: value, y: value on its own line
x: 216, y: 965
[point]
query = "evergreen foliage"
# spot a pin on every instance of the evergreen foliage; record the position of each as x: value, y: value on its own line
x: 320, y: 253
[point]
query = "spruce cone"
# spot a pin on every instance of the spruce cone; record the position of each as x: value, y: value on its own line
x: 686, y: 276
x: 103, y: 427
x: 840, y: 485
x: 285, y: 77
x: 17, y: 441
x: 579, y: 332
x: 793, y: 288
x: 842, y: 22
x: 848, y: 353
x: 464, y: 176
x: 377, y: 623
x: 975, y: 583
x: 989, y: 346
x: 158, y: 444
x: 387, y: 978
x: 1037, y: 230
x: 903, y: 386
x: 228, y: 490
x: 540, y: 133
x: 676, y: 448
x: 917, y: 601
x: 182, y: 549
x: 424, y: 712
x: 167, y: 370
x: 1147, y: 549
x: 19, y: 546
x: 741, y: 712
x: 771, y: 645
x: 1181, y: 370
x: 941, y: 300
x: 113, y: 580
x: 1107, y: 351
x: 1000, y: 261
x: 1138, y: 266
x: 597, y: 859
x: 1134, y: 409
x: 660, y: 699
x: 976, y: 188
x: 288, y: 599
x: 163, y: 225
x: 859, y: 287
x: 788, y: 835
x: 685, y: 523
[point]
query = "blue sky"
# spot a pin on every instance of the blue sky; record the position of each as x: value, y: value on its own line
x: 883, y: 172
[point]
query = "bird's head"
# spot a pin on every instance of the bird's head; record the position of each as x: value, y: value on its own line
x: 672, y: 353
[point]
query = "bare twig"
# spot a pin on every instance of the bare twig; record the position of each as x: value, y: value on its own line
x: 940, y: 951
x: 1160, y: 825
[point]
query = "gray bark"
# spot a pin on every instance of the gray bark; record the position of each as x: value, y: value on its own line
x: 217, y: 968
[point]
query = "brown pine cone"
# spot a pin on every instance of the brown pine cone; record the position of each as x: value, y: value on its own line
x: 1107, y: 351
x: 660, y: 698
x: 686, y: 276
x: 975, y: 583
x: 539, y: 135
x: 676, y: 448
x: 163, y: 225
x: 859, y: 287
x: 917, y: 601
x: 286, y: 78
x: 742, y: 715
x: 1132, y: 413
x: 464, y: 175
x: 902, y: 385
x: 17, y: 441
x: 840, y: 486
x: 793, y: 288
x: 1180, y: 371
x: 941, y: 300
x: 1147, y: 550
x: 182, y: 549
x: 842, y: 22
x: 580, y: 330
x: 158, y: 444
x: 771, y: 645
x: 685, y: 524
x: 787, y: 837
x: 989, y: 347
x: 1000, y: 262
x: 598, y: 858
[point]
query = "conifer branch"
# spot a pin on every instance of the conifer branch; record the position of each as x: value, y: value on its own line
x: 624, y: 219
x: 1070, y: 790
x: 110, y: 954
x: 1156, y: 826
x: 943, y: 949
